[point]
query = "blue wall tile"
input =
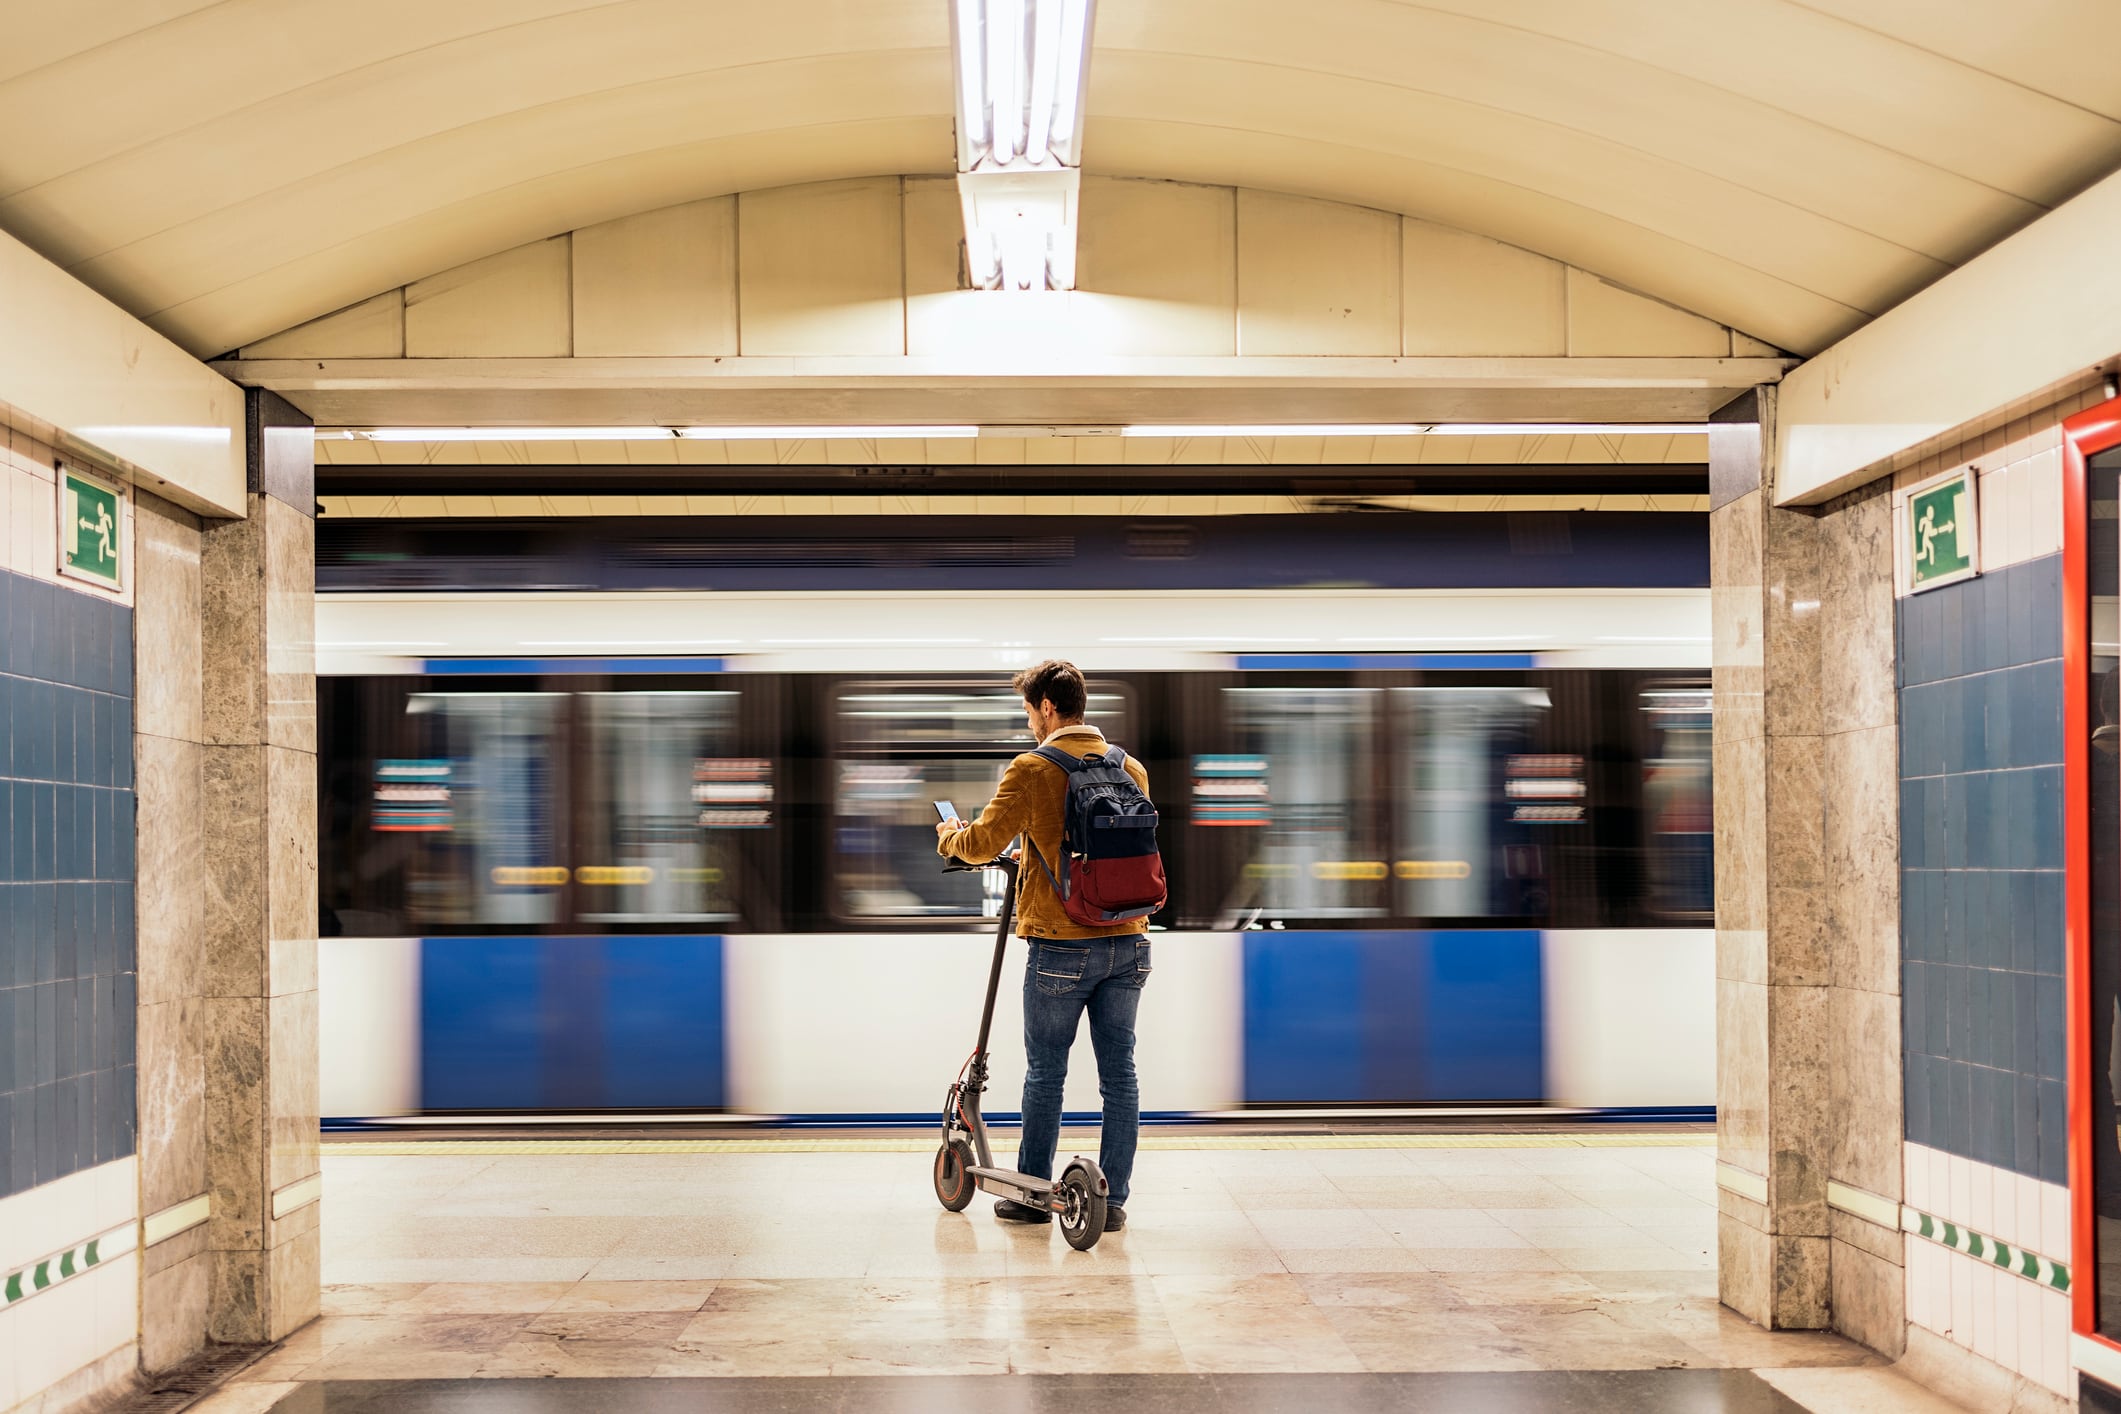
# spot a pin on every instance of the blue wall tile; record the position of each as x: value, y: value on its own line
x: 67, y: 994
x: 1981, y: 856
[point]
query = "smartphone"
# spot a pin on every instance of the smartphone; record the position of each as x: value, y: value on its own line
x: 944, y: 810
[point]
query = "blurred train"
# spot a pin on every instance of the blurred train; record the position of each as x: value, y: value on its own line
x: 622, y: 817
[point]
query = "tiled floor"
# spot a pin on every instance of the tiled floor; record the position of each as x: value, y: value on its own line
x: 1584, y: 1257
x: 1527, y: 1392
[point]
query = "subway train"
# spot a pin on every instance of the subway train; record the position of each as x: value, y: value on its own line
x: 623, y: 818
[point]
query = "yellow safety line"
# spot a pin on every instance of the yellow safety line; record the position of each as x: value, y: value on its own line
x: 921, y: 1143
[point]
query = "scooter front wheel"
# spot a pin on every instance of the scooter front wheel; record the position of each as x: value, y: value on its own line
x: 1082, y: 1212
x: 953, y: 1175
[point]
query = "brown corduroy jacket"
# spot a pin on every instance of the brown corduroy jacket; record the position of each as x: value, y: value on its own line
x: 1030, y: 802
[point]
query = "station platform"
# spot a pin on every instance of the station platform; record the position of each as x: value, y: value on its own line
x: 793, y: 1271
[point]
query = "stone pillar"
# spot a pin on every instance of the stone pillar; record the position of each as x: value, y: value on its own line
x: 1808, y: 1058
x: 1772, y: 963
x: 260, y: 822
x: 168, y: 754
x: 1860, y: 779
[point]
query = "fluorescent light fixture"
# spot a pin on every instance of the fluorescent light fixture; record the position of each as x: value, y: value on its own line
x: 1419, y: 429
x: 636, y: 434
x: 792, y: 434
x: 1021, y: 67
x: 510, y: 434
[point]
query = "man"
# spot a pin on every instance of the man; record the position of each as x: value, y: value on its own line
x: 1073, y: 968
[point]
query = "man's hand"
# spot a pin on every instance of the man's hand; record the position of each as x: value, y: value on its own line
x: 948, y: 827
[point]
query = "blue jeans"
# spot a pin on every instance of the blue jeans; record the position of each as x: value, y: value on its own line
x: 1063, y: 979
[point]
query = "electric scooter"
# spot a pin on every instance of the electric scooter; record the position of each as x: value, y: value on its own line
x: 965, y: 1165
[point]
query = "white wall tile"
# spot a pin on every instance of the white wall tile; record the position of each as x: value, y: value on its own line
x: 1985, y: 1280
x: 2005, y: 1216
x: 1940, y: 1183
x: 10, y: 1366
x: 66, y: 1211
x: 117, y: 1194
x: 1959, y: 1195
x: 29, y: 519
x: 2008, y: 1292
x: 1936, y: 1287
x: 2018, y: 540
x: 1993, y: 489
x: 1915, y: 1175
x: 2032, y: 1343
x: 2054, y: 1222
x: 1981, y: 1198
x: 1962, y: 1273
x: 1914, y: 1292
x: 36, y: 1362
x: 60, y: 1333
x: 2054, y: 1341
x: 117, y: 1289
x: 2044, y: 472
x: 2029, y: 1231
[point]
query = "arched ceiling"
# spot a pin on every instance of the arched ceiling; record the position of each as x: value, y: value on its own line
x: 230, y: 168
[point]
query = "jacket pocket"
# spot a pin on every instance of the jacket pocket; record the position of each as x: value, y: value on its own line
x: 1058, y: 970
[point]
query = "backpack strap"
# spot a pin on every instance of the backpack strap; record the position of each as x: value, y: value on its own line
x: 1058, y: 757
x: 1071, y: 764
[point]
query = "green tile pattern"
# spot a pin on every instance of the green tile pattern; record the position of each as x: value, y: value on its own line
x: 2044, y: 1271
x: 23, y: 1284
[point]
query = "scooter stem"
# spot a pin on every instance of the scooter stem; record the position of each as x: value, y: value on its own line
x: 994, y: 973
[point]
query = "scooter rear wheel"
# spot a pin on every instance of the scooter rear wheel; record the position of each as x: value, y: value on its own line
x: 953, y: 1175
x: 1082, y: 1214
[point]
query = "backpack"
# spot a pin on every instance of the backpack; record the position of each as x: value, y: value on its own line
x: 1110, y: 869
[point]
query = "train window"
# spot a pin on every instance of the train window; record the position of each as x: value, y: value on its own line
x: 1478, y: 803
x: 474, y: 808
x: 900, y: 746
x: 668, y: 797
x: 1679, y: 799
x: 1301, y: 792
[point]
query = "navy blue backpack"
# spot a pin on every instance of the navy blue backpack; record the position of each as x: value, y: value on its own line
x: 1110, y: 869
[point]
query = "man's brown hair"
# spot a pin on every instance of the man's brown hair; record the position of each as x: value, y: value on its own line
x: 1056, y: 682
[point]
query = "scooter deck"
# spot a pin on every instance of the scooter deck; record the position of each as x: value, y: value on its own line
x: 1008, y: 1183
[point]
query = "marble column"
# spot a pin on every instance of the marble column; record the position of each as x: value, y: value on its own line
x: 1808, y: 1058
x: 169, y: 732
x: 1860, y: 776
x: 260, y: 816
x: 1772, y: 962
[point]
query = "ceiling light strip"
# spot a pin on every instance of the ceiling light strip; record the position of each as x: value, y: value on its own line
x: 808, y: 434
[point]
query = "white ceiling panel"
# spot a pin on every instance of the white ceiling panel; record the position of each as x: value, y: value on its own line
x: 1790, y: 169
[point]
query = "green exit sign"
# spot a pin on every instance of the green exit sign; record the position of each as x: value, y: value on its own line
x: 91, y: 530
x: 1943, y: 535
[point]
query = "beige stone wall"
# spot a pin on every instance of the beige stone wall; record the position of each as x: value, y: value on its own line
x: 260, y: 959
x: 168, y: 753
x: 1807, y: 861
x: 1860, y: 800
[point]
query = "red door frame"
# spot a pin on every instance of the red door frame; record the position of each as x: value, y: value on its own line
x: 2088, y: 433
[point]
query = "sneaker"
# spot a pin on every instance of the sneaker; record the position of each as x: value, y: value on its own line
x: 1115, y: 1217
x: 1011, y: 1211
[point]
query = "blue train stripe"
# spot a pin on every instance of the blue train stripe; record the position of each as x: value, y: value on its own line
x: 557, y: 1023
x: 1393, y: 1017
x: 563, y: 667
x: 1374, y: 662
